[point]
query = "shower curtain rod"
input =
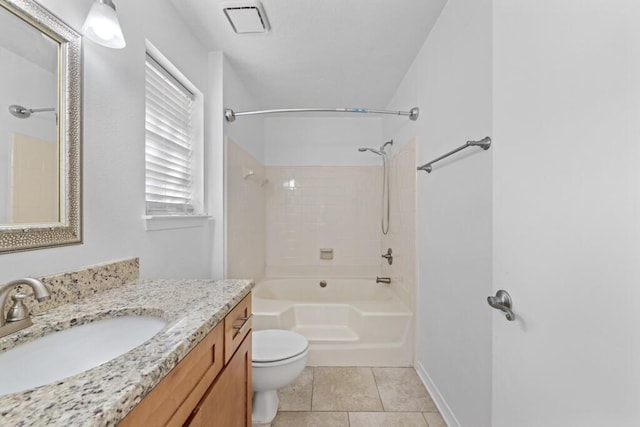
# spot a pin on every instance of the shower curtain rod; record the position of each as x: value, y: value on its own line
x: 230, y: 115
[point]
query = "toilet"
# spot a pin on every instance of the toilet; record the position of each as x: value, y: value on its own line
x: 279, y: 356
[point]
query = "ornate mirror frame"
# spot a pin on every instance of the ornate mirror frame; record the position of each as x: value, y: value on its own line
x: 69, y: 230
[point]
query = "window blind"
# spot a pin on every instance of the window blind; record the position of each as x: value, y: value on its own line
x: 168, y: 143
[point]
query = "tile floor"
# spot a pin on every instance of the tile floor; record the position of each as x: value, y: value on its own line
x: 357, y: 397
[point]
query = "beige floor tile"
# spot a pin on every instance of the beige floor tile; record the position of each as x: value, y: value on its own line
x: 345, y: 389
x: 311, y: 419
x: 401, y: 390
x: 297, y: 395
x: 434, y: 419
x: 386, y: 419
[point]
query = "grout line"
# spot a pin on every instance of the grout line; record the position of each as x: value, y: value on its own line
x: 313, y: 384
x: 377, y: 390
x: 426, y: 420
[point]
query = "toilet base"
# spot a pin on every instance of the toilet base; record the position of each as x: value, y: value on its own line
x: 265, y: 408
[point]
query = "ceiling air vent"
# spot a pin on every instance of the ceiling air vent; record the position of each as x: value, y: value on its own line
x: 246, y: 17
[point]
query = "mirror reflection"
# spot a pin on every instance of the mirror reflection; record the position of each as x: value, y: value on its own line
x: 30, y: 172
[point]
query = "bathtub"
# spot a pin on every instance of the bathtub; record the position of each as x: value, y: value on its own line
x: 349, y: 322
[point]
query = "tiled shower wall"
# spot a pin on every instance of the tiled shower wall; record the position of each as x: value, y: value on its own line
x: 279, y: 218
x: 402, y: 226
x: 314, y: 207
x: 245, y: 205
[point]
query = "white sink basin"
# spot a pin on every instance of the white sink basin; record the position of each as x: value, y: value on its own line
x: 71, y: 351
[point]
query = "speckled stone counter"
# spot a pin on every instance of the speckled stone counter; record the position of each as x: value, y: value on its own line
x: 103, y: 395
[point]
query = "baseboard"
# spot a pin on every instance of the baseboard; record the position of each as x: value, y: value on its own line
x: 441, y: 404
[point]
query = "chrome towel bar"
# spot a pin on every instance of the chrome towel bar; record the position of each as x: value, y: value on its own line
x: 484, y: 143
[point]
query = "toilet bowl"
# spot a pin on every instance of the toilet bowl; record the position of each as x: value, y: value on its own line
x: 278, y: 357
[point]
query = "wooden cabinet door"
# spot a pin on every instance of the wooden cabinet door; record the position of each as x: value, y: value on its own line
x: 228, y: 401
x: 172, y: 401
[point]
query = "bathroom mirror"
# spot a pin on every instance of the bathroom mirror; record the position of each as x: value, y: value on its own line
x: 40, y: 128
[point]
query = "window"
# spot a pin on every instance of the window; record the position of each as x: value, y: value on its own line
x: 173, y: 141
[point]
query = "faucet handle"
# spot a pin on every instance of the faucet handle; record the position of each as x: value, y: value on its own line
x: 388, y: 256
x: 18, y: 310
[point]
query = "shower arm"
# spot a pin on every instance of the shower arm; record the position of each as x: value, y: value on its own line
x: 231, y: 115
x: 383, y: 146
x: 40, y: 110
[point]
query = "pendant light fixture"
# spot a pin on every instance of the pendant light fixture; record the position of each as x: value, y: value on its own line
x: 102, y: 25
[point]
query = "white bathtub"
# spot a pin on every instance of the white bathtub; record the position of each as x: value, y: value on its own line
x: 350, y: 322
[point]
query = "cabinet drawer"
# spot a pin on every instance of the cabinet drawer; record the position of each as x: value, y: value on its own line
x: 237, y: 325
x: 172, y: 400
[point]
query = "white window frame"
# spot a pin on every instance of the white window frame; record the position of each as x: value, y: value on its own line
x: 194, y: 219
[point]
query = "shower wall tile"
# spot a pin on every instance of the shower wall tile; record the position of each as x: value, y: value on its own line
x: 245, y: 204
x: 314, y: 207
x: 402, y: 230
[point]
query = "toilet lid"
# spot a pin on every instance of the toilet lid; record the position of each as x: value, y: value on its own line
x: 272, y: 345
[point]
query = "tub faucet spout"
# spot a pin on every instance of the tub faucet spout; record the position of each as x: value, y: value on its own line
x: 385, y: 280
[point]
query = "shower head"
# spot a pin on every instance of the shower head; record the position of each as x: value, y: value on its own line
x: 19, y: 111
x: 23, y: 113
x: 379, y: 153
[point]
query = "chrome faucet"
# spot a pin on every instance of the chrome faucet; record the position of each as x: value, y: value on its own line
x: 18, y: 316
x: 386, y: 280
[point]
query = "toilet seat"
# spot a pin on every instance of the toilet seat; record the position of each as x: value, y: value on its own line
x: 275, y: 346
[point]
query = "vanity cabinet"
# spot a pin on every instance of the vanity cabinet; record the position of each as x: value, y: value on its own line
x: 228, y: 401
x: 211, y: 386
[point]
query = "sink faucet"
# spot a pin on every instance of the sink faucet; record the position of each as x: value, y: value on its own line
x: 18, y: 316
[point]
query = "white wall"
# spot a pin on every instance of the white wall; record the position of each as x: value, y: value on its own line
x: 31, y: 86
x: 245, y: 213
x: 321, y: 141
x: 450, y: 81
x: 248, y: 134
x: 246, y: 131
x: 113, y: 151
x: 214, y: 155
x: 567, y: 212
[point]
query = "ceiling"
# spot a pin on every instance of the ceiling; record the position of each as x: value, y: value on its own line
x: 320, y: 53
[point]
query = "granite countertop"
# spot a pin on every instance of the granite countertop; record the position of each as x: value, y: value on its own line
x: 102, y: 396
